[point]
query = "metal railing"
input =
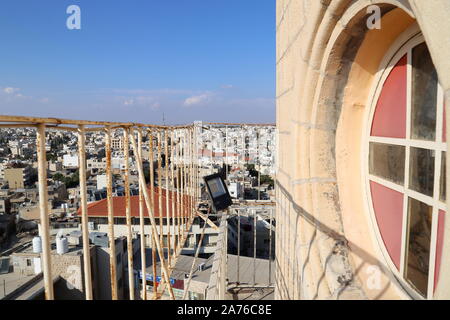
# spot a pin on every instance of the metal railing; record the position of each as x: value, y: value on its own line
x: 264, y: 213
x: 226, y: 275
x: 180, y: 168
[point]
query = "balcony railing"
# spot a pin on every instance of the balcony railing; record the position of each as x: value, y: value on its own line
x: 178, y: 163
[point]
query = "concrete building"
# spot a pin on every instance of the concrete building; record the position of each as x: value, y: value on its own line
x: 68, y: 267
x: 70, y: 161
x: 235, y: 238
x: 5, y: 206
x: 18, y: 177
x: 2, y: 171
x: 118, y: 163
x: 54, y: 166
x: 361, y: 149
x: 117, y: 143
x: 25, y: 274
x: 102, y: 267
x: 101, y: 181
x: 95, y: 163
x: 235, y: 189
x: 246, y: 237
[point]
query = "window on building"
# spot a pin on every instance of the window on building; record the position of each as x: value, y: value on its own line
x: 406, y: 168
x: 120, y: 221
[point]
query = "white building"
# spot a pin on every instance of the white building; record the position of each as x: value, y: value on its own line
x: 70, y: 161
x: 118, y: 163
x: 235, y: 190
x: 101, y: 181
x: 94, y: 163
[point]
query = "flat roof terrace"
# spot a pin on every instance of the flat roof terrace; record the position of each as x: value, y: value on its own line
x: 12, y: 281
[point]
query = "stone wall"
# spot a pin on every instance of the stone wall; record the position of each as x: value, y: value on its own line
x: 70, y: 268
x: 327, y: 62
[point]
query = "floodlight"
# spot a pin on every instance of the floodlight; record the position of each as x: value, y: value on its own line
x: 218, y: 192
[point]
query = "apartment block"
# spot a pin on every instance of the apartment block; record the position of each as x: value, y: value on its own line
x: 18, y: 178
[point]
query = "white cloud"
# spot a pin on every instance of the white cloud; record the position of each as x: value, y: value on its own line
x: 198, y: 100
x: 150, y: 92
x: 128, y: 102
x: 155, y: 105
x: 11, y: 94
x: 227, y: 86
x: 10, y: 90
x: 142, y: 101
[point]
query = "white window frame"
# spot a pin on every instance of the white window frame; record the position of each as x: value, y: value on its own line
x: 401, y: 47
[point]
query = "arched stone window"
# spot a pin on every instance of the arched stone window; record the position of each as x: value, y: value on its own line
x: 406, y: 167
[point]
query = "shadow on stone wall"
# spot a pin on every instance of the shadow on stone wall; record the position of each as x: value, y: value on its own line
x: 342, y: 247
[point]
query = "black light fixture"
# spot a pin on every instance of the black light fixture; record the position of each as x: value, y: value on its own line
x: 218, y: 192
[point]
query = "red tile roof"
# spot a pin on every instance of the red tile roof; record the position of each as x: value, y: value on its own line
x: 100, y: 208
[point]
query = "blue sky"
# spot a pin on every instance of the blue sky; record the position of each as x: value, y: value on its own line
x: 135, y: 60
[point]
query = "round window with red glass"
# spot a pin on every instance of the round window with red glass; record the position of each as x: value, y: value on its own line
x: 406, y: 168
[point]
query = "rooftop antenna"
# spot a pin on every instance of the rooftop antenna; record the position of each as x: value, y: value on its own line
x: 164, y: 119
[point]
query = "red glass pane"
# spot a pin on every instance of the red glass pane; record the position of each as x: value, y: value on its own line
x: 389, y: 119
x: 388, y: 207
x: 439, y: 245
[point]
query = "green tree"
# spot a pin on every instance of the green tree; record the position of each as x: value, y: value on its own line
x: 73, y: 181
x: 59, y: 177
x: 51, y: 156
x: 267, y: 179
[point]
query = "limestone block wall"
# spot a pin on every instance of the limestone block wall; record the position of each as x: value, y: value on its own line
x: 71, y: 271
x: 69, y: 268
x: 327, y: 62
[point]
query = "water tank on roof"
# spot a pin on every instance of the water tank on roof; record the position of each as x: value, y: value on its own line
x: 62, y: 245
x: 201, y: 266
x: 37, y: 245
